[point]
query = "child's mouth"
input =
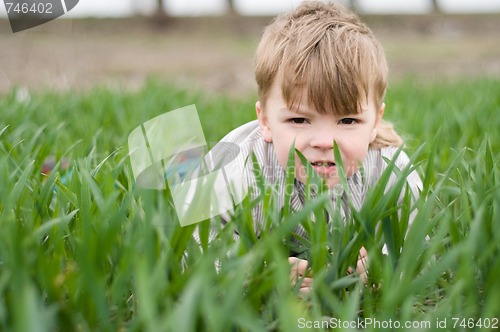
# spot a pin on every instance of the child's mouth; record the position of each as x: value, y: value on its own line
x: 324, y: 168
x: 323, y: 163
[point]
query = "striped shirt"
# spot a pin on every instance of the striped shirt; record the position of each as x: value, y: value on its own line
x: 249, y: 140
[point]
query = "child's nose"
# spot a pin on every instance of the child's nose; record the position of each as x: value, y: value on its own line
x: 322, y: 138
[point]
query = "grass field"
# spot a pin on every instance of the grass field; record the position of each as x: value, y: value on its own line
x: 84, y: 249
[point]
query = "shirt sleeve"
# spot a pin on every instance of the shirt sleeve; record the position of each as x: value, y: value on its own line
x: 413, y: 180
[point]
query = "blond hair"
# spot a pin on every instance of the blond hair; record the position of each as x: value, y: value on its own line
x: 326, y: 49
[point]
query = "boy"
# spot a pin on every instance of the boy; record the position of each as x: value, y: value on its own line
x: 321, y: 77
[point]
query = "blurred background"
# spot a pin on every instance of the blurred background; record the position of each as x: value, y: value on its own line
x: 208, y: 45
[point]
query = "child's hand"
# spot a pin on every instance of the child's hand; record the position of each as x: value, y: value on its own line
x: 299, y: 273
x: 362, y: 265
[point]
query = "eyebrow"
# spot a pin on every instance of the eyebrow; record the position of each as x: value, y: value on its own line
x: 296, y: 111
x: 306, y: 112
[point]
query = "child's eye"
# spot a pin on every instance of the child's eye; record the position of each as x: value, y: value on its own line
x: 298, y: 120
x: 348, y: 121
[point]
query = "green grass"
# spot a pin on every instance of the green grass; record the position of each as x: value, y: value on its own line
x: 86, y: 250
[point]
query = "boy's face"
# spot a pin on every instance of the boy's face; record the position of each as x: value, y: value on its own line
x: 314, y: 134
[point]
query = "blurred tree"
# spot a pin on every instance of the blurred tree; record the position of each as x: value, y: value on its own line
x: 230, y: 7
x: 353, y: 5
x: 160, y: 9
x: 160, y: 15
x: 435, y: 6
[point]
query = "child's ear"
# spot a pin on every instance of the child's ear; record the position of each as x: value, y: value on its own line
x: 378, y: 119
x: 263, y: 123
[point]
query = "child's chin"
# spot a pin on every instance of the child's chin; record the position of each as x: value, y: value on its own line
x: 332, y: 182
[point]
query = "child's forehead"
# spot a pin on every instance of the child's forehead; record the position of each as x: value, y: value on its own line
x: 304, y: 100
x: 305, y: 110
